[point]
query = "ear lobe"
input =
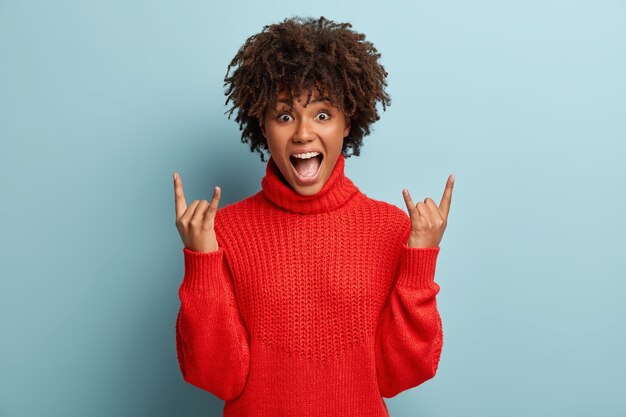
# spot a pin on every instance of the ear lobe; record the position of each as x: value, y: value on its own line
x: 346, y: 131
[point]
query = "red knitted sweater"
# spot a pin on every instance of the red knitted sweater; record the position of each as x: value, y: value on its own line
x: 311, y: 306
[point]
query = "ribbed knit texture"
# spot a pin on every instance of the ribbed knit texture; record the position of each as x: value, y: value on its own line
x: 311, y: 306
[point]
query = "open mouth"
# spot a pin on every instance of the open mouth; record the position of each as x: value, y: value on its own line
x: 307, y: 170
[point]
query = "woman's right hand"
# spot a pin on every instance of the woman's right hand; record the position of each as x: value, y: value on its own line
x: 196, y: 223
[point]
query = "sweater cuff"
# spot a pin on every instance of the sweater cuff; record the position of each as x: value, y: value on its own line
x: 204, y: 271
x: 416, y: 267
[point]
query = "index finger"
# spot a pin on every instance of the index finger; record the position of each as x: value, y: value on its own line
x: 446, y: 199
x: 179, y: 196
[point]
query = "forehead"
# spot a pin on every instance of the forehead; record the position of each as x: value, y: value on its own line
x: 283, y: 96
x: 313, y: 100
x: 316, y: 87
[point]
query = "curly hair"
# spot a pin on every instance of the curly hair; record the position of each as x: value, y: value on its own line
x: 300, y: 54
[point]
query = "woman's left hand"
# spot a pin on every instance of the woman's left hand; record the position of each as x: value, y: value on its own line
x: 428, y: 221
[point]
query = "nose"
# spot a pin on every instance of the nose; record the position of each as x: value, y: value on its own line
x: 304, y: 131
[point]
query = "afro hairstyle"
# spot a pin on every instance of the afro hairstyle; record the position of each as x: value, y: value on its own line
x: 297, y: 55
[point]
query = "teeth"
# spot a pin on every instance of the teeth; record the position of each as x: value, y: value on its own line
x: 305, y: 155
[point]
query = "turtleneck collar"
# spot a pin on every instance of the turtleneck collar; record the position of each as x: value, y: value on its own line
x: 335, y: 192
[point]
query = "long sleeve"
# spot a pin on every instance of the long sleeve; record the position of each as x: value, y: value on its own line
x: 409, y: 335
x: 212, y: 343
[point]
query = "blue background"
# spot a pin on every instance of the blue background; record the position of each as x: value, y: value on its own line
x: 100, y: 102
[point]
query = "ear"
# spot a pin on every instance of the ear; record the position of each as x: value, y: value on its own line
x: 262, y: 127
x: 346, y: 131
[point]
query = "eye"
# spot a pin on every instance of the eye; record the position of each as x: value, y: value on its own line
x: 324, y: 115
x: 283, y: 117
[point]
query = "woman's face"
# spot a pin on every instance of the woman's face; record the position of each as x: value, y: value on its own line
x: 319, y: 128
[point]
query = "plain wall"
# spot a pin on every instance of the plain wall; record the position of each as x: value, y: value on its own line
x: 100, y: 102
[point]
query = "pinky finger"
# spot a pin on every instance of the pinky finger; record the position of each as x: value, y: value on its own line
x: 410, y: 206
x: 217, y: 191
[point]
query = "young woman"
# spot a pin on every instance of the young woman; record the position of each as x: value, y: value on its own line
x: 308, y: 298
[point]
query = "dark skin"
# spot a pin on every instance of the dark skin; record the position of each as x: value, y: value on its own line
x: 196, y: 223
x: 428, y: 222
